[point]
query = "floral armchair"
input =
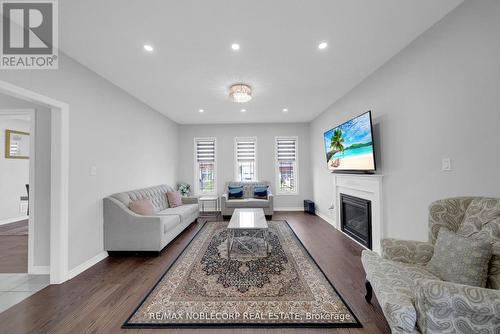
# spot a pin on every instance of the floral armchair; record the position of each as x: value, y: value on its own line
x: 416, y: 301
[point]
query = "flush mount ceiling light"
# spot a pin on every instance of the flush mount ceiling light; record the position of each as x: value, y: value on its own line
x: 148, y: 48
x: 240, y: 93
x: 235, y: 46
x: 243, y: 110
x: 201, y: 110
x: 322, y: 45
x: 285, y: 109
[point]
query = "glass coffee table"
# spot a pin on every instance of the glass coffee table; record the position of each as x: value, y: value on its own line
x: 249, y: 222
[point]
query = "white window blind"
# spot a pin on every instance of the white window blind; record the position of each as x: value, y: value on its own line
x: 205, y: 150
x: 245, y: 150
x: 286, y: 149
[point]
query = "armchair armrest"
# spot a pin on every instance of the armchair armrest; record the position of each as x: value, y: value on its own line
x: 407, y: 251
x: 445, y: 307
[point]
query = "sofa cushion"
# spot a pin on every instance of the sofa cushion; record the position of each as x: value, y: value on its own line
x: 183, y: 211
x: 260, y: 192
x: 247, y: 203
x: 395, y: 285
x: 142, y: 207
x: 174, y: 198
x: 235, y: 191
x: 170, y: 222
x: 460, y: 260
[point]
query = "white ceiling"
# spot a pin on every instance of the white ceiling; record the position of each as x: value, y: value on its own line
x: 193, y: 65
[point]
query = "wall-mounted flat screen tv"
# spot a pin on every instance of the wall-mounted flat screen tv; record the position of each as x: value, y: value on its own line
x: 349, y: 146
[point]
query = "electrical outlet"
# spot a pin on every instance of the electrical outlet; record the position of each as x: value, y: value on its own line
x: 446, y: 164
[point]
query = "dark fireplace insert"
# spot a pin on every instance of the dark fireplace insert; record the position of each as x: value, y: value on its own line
x: 356, y: 219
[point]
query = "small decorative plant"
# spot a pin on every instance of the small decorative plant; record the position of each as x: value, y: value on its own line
x: 184, y: 189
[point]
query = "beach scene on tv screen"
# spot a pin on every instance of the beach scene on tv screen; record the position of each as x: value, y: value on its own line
x: 350, y: 145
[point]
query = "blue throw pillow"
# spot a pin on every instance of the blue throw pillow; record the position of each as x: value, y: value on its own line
x: 235, y: 192
x: 260, y: 192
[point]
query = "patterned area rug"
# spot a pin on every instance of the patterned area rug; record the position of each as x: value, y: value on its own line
x: 205, y: 288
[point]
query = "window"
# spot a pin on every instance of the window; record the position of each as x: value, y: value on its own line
x: 287, y: 165
x: 245, y: 153
x: 205, y: 166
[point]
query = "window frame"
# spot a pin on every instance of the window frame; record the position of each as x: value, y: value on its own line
x: 196, y: 166
x: 235, y: 160
x: 276, y: 166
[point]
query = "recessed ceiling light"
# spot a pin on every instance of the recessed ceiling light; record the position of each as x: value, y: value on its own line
x: 285, y: 110
x: 148, y: 48
x: 243, y: 110
x: 201, y: 110
x: 322, y: 45
x: 235, y: 46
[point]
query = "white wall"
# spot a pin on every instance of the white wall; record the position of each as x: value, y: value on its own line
x: 41, y: 210
x: 438, y: 98
x: 131, y: 145
x: 265, y: 134
x: 14, y: 173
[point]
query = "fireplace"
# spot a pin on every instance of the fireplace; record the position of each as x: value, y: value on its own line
x: 356, y: 219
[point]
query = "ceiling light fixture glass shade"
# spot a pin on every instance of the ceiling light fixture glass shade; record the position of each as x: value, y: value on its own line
x: 240, y: 93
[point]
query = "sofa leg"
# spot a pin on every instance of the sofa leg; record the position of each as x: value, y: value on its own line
x: 369, y: 291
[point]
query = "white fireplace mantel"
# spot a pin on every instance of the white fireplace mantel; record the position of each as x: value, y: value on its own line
x: 368, y: 187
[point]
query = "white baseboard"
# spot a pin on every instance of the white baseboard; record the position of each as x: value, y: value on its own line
x: 12, y: 220
x: 87, y: 264
x: 39, y: 270
x: 290, y: 208
x: 326, y: 218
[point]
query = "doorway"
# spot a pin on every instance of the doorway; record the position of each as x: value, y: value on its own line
x: 15, y: 128
x: 18, y: 216
x: 57, y: 164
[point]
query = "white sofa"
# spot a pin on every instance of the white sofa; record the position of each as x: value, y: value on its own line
x: 248, y: 200
x: 126, y: 231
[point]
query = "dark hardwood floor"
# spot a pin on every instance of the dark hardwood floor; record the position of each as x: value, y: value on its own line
x: 16, y: 228
x: 14, y: 254
x: 100, y: 299
x: 14, y: 247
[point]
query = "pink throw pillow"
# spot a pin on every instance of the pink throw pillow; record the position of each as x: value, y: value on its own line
x: 174, y: 198
x: 142, y: 207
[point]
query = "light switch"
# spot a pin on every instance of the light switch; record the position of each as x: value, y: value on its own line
x: 446, y: 164
x: 93, y: 171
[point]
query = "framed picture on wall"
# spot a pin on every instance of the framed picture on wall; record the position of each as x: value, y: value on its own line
x: 17, y: 144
